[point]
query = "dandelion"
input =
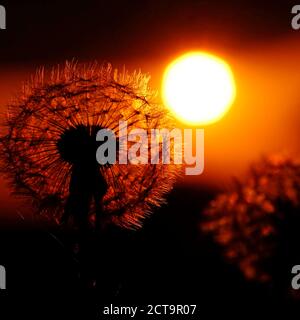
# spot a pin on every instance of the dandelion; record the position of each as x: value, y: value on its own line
x: 257, y: 223
x: 49, y: 146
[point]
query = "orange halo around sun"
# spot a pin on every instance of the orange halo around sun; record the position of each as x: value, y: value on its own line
x: 199, y: 88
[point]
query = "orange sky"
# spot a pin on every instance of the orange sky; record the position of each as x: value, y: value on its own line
x: 265, y: 116
x: 263, y: 119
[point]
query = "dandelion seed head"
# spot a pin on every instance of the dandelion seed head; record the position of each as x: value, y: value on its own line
x: 54, y: 120
x: 257, y: 222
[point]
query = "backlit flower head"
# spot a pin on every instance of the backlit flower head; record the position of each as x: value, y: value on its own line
x: 257, y: 223
x: 54, y: 121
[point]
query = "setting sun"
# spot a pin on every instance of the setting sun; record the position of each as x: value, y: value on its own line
x: 198, y: 88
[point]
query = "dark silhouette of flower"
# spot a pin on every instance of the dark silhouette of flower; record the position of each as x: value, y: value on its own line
x: 257, y: 223
x: 49, y: 145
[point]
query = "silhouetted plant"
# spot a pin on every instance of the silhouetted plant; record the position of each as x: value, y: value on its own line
x: 257, y: 223
x: 49, y: 147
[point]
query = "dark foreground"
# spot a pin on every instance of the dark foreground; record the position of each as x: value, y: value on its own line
x: 167, y: 262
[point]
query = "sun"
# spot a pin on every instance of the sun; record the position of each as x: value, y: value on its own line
x: 199, y: 88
